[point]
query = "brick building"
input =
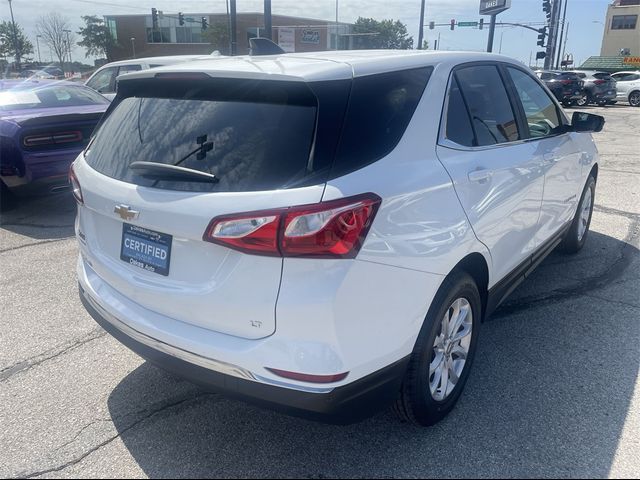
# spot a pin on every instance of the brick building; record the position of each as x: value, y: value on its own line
x: 135, y: 34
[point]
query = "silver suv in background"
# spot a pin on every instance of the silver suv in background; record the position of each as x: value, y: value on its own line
x: 628, y: 87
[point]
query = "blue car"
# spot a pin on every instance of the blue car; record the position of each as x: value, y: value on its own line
x: 44, y: 125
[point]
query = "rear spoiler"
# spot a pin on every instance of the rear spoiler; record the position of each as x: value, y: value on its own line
x: 264, y: 46
x: 64, y: 117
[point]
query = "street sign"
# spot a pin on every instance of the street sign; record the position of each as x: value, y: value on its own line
x: 494, y: 7
x: 467, y: 24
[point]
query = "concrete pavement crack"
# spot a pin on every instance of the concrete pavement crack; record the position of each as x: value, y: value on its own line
x: 615, y: 211
x: 24, y: 365
x: 137, y: 422
x: 18, y: 247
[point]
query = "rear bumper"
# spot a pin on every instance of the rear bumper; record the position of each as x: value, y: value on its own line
x: 343, y: 405
x: 43, y: 172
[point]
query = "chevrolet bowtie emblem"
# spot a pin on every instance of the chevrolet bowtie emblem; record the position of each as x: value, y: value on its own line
x: 125, y: 212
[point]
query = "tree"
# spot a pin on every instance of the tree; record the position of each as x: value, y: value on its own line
x: 218, y: 35
x: 96, y: 37
x: 53, y: 29
x: 7, y: 42
x: 389, y: 34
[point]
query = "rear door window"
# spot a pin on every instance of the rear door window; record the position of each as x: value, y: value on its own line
x: 459, y: 129
x: 257, y: 142
x: 491, y: 113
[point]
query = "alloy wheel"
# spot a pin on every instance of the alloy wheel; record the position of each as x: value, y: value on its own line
x: 450, y: 349
x: 634, y: 99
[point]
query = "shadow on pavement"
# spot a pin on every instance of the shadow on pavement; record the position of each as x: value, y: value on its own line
x: 46, y: 217
x: 548, y: 396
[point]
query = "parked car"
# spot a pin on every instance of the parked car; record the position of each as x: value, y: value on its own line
x: 566, y: 86
x: 103, y: 80
x: 628, y: 87
x: 599, y: 88
x: 44, y: 124
x: 323, y: 233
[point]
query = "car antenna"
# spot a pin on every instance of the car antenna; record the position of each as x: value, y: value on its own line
x: 264, y: 46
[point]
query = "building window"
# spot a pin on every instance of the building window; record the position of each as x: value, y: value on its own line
x: 160, y: 35
x: 111, y: 25
x: 189, y: 35
x: 624, y: 22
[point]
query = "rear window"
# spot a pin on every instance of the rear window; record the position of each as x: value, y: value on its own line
x: 255, y: 135
x: 602, y: 75
x: 55, y: 96
x: 247, y: 145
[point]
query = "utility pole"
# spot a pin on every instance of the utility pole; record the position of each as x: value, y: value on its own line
x: 492, y: 30
x: 15, y: 38
x: 552, y: 38
x: 337, y: 28
x: 268, y: 25
x: 564, y: 17
x: 421, y: 30
x: 232, y: 28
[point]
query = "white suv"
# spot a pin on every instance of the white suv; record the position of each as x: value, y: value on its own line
x: 323, y: 233
x: 628, y: 87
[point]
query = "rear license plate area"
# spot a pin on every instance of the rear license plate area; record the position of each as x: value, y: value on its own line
x: 146, y: 249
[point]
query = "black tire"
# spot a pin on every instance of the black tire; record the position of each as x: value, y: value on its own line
x: 634, y: 99
x: 584, y: 100
x: 612, y: 102
x: 7, y: 199
x: 572, y: 242
x: 415, y: 403
x: 568, y: 104
x: 602, y: 103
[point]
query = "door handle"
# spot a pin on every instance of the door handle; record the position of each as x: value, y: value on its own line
x: 480, y: 175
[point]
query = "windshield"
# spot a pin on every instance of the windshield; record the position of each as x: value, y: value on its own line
x: 24, y: 97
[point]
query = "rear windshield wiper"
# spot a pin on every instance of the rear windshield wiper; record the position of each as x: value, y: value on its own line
x: 162, y: 171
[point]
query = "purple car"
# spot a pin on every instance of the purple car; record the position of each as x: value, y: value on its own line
x: 44, y: 125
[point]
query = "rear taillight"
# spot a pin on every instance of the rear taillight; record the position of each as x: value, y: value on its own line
x: 52, y: 138
x: 334, y: 229
x: 599, y: 82
x: 75, y: 186
x: 566, y: 82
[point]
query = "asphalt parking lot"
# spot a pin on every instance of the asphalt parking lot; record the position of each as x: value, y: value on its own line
x: 554, y: 390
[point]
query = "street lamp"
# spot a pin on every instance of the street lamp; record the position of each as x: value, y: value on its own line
x: 68, y: 48
x: 133, y: 46
x: 38, y: 44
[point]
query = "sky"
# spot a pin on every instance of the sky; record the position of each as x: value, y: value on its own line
x: 585, y: 19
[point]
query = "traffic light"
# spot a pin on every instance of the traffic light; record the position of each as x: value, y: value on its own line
x: 432, y: 25
x: 180, y: 18
x: 154, y: 18
x: 540, y: 55
x: 204, y: 22
x: 546, y: 7
x: 453, y: 23
x: 542, y: 33
x: 481, y: 24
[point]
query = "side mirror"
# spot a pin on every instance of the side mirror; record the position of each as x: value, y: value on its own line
x: 586, y: 122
